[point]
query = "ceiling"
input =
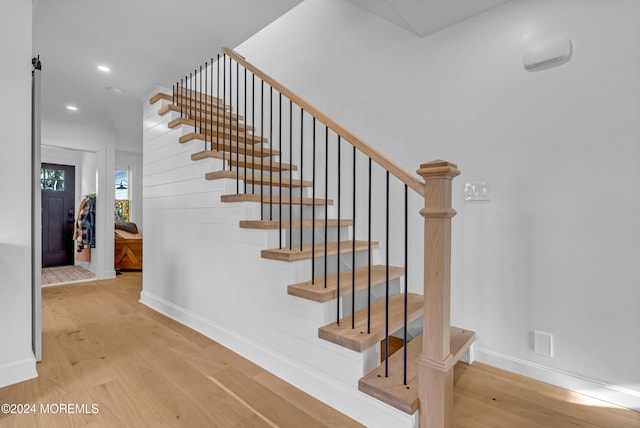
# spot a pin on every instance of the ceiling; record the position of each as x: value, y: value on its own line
x: 144, y: 43
x: 424, y: 17
x: 148, y: 42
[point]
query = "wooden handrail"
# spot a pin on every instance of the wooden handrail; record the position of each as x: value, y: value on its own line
x: 402, y: 175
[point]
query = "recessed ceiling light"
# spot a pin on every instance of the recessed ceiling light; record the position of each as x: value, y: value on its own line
x: 103, y: 68
x: 72, y: 108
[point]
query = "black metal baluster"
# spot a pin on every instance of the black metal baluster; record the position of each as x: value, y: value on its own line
x: 301, y: 174
x: 261, y: 149
x: 386, y: 305
x: 253, y: 141
x: 217, y: 110
x: 271, y: 152
x: 290, y: 175
x: 210, y: 131
x: 238, y: 129
x: 338, y: 243
x: 406, y: 276
x: 313, y: 208
x: 369, y: 259
x: 246, y: 145
x: 326, y: 196
x: 201, y: 95
x: 353, y: 245
x: 206, y: 94
x: 190, y: 113
x: 224, y: 112
x: 179, y: 98
x: 280, y: 170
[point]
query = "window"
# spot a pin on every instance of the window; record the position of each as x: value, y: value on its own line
x: 52, y: 179
x: 121, y: 205
x: 122, y: 184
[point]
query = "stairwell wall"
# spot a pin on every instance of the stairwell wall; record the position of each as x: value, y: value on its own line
x: 555, y: 248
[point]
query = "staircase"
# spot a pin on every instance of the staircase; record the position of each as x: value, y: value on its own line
x: 278, y: 165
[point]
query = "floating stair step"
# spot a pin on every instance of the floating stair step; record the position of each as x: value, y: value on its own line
x: 226, y: 133
x: 257, y: 179
x: 307, y: 252
x: 208, y: 128
x: 160, y: 96
x: 195, y: 110
x: 241, y: 149
x: 295, y: 224
x: 391, y: 389
x: 357, y: 338
x: 264, y: 164
x: 251, y: 162
x: 276, y: 200
x: 319, y: 293
x: 220, y: 120
x: 251, y: 139
x: 194, y: 98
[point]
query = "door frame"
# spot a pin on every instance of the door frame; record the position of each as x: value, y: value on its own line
x: 36, y: 216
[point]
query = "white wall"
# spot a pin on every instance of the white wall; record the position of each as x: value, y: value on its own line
x: 17, y: 362
x: 556, y: 248
x: 97, y: 177
x: 204, y: 271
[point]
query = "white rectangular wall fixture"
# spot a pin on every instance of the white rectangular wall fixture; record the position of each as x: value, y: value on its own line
x: 548, y: 54
x: 543, y: 343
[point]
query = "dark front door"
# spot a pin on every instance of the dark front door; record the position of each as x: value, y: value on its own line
x: 58, y: 199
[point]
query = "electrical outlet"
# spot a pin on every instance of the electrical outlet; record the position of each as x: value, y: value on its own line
x: 480, y: 191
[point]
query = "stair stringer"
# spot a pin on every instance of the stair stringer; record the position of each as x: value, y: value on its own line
x: 202, y: 270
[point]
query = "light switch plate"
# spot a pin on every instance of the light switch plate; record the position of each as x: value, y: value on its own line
x: 479, y: 191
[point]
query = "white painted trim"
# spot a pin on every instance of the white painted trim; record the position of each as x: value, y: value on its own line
x: 18, y: 371
x: 593, y: 388
x: 340, y: 396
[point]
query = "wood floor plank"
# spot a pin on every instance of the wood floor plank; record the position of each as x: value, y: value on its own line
x: 316, y: 409
x: 264, y: 402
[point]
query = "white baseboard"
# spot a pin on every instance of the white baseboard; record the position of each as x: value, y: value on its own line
x: 340, y: 396
x: 610, y: 393
x: 18, y: 371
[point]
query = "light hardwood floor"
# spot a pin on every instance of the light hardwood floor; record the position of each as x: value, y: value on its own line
x: 144, y: 370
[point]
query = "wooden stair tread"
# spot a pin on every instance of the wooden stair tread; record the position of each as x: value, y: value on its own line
x: 242, y: 148
x: 284, y: 200
x: 231, y: 134
x: 319, y: 293
x: 183, y: 109
x: 295, y: 224
x: 199, y: 99
x: 294, y: 254
x: 391, y: 389
x: 256, y: 179
x: 251, y: 139
x: 260, y: 163
x: 160, y: 96
x: 252, y: 162
x: 357, y: 338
